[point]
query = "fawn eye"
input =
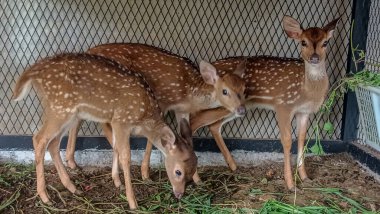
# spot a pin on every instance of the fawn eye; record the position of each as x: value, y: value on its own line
x: 303, y: 43
x: 324, y: 44
x: 178, y: 173
x: 225, y: 92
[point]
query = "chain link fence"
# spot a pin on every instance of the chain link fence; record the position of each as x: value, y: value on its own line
x: 373, y: 39
x: 196, y: 29
x: 372, y: 64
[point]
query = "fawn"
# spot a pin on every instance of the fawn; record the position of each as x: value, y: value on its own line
x: 75, y: 87
x: 290, y: 87
x: 177, y: 85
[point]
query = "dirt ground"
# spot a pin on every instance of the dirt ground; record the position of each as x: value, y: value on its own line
x: 336, y: 181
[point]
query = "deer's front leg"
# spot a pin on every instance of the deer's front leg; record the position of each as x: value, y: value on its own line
x: 302, y: 124
x: 284, y: 123
x: 215, y: 131
x: 122, y: 133
x: 207, y: 117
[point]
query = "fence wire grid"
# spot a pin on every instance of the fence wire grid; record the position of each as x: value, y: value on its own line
x: 196, y: 29
x: 372, y: 57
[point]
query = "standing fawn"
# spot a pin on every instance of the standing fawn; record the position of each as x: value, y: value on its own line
x: 290, y: 87
x: 176, y: 84
x: 75, y: 87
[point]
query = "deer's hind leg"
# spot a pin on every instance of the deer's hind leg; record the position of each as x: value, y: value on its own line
x: 71, y: 142
x: 50, y: 132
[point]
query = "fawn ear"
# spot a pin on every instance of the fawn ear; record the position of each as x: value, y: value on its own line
x: 240, y: 68
x: 208, y: 72
x: 292, y: 27
x: 186, y: 131
x: 167, y: 138
x: 330, y: 27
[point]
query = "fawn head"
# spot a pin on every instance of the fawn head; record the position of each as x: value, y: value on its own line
x: 180, y: 161
x: 229, y: 89
x: 313, y: 40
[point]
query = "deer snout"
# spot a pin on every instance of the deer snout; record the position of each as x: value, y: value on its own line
x: 314, y: 59
x: 240, y: 111
x: 178, y: 195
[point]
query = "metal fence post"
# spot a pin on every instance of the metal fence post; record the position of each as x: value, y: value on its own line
x: 360, y: 15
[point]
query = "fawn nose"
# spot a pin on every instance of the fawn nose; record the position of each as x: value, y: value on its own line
x: 241, y: 110
x: 314, y: 59
x: 178, y: 195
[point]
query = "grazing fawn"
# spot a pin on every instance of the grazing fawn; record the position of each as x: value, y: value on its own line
x: 75, y: 87
x: 177, y: 85
x: 290, y: 87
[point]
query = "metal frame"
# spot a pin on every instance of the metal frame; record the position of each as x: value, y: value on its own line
x: 350, y: 123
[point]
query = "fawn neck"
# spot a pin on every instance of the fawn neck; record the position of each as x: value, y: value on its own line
x: 201, y: 96
x: 315, y: 72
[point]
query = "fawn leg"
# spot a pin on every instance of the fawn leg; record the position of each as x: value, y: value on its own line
x: 121, y: 133
x: 146, y: 160
x: 41, y: 140
x: 207, y: 117
x: 62, y: 173
x: 284, y: 123
x: 302, y: 122
x: 71, y: 141
x: 215, y: 131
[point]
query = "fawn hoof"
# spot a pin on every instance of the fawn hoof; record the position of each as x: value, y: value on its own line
x: 71, y: 164
x: 307, y: 182
x: 146, y: 177
x: 294, y: 189
x: 133, y: 204
x: 76, y: 171
x: 147, y: 181
x: 133, y: 207
x: 232, y: 166
x: 121, y: 188
x: 117, y: 184
x: 49, y: 203
x: 145, y: 172
x: 78, y: 192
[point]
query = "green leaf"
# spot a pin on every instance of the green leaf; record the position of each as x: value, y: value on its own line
x: 328, y: 127
x: 317, y: 149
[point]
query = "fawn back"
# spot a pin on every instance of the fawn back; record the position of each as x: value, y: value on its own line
x: 176, y: 81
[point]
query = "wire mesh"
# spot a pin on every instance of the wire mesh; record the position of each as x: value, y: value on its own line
x: 195, y: 29
x: 373, y: 38
x: 372, y: 63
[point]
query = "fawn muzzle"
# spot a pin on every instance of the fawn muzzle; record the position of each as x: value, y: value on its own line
x: 314, y: 59
x: 241, y: 110
x: 178, y: 195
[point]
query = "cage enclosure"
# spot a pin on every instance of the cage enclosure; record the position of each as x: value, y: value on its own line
x: 199, y: 30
